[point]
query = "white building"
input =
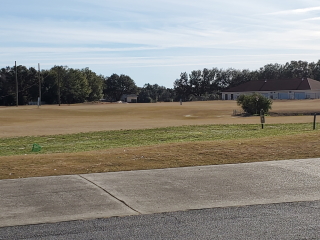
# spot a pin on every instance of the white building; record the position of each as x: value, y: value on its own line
x: 305, y: 88
x: 129, y: 98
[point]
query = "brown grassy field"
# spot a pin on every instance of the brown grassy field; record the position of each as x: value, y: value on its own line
x: 53, y: 119
x: 161, y: 156
x: 50, y: 120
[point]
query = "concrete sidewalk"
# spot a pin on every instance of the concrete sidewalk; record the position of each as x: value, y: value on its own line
x: 74, y: 197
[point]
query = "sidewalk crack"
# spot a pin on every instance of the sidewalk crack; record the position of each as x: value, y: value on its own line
x: 123, y: 202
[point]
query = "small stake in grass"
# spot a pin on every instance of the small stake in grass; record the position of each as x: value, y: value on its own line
x: 314, y: 121
x: 36, y: 148
x: 262, y: 119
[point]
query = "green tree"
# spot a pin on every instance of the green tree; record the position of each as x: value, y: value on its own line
x: 252, y: 104
x: 95, y: 83
x: 182, y: 87
x: 155, y: 93
x: 28, y: 85
x: 58, y: 79
x: 75, y: 87
x: 195, y: 82
x: 7, y: 87
x: 50, y: 86
x: 65, y: 85
x: 117, y: 85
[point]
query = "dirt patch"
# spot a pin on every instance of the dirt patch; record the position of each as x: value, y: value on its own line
x: 302, y: 113
x: 53, y: 119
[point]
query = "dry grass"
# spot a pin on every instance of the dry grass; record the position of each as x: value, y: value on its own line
x: 163, y: 156
x: 52, y: 119
x: 49, y: 120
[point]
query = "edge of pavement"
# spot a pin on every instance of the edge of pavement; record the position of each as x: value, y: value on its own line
x: 102, y: 195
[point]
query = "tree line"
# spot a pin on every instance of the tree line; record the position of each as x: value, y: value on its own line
x: 207, y: 84
x: 61, y: 84
x: 64, y: 85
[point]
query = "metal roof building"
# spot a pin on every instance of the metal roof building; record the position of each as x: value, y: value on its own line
x: 297, y: 88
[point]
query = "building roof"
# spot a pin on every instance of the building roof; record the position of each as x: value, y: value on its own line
x: 131, y: 95
x: 277, y: 85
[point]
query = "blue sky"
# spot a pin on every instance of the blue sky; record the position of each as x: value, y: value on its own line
x: 153, y: 41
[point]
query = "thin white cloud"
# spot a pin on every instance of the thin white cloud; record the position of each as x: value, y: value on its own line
x: 312, y: 19
x: 296, y: 11
x: 159, y: 34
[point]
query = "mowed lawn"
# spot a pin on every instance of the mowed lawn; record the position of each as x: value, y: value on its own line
x: 86, y: 138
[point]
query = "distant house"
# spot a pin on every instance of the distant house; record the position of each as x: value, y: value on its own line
x: 297, y: 88
x: 129, y: 98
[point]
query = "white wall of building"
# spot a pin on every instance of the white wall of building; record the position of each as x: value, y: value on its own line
x: 275, y: 94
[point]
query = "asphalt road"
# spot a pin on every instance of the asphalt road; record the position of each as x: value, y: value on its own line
x: 299, y: 220
x: 91, y: 196
x: 265, y: 200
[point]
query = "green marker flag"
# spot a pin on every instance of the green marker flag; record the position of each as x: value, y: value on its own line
x: 36, y: 148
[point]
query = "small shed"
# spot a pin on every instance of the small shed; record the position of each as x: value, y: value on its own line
x: 129, y: 98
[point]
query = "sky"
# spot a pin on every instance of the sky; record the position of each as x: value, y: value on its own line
x: 154, y: 41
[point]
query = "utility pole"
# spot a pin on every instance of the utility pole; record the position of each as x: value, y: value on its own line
x: 59, y: 100
x: 17, y: 90
x: 39, y: 100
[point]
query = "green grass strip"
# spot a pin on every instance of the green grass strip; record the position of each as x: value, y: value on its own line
x: 129, y: 138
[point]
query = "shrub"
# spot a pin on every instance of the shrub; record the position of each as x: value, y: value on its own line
x: 252, y: 104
